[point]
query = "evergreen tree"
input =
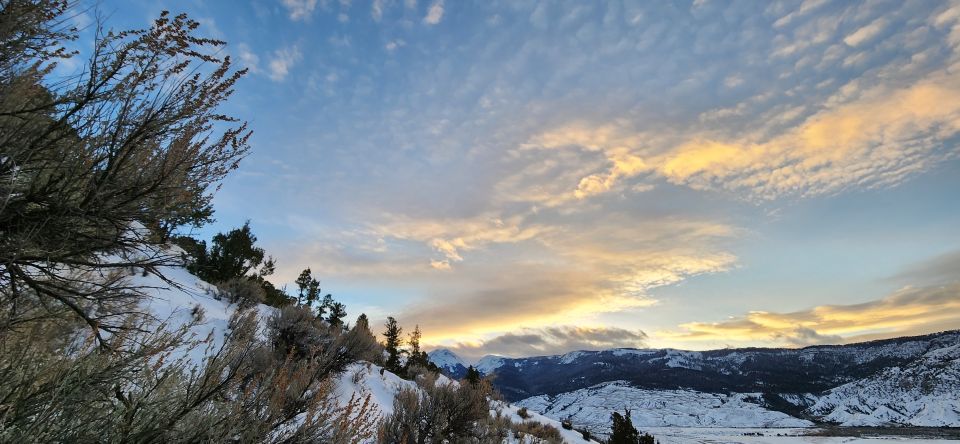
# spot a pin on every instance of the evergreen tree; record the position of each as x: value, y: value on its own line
x: 313, y: 291
x: 303, y: 285
x: 232, y: 255
x: 473, y: 376
x: 414, y: 348
x: 392, y: 345
x: 336, y: 311
x: 622, y: 430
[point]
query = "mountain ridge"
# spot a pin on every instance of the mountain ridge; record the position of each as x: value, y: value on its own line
x: 906, y: 381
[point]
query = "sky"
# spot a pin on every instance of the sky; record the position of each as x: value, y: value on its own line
x: 533, y: 177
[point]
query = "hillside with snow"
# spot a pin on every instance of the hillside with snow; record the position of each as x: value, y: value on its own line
x: 590, y: 408
x: 176, y: 301
x: 910, y: 381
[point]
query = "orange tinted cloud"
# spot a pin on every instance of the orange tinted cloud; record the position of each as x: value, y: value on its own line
x: 906, y: 312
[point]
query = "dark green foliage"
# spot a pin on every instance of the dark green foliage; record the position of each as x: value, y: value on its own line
x: 272, y: 296
x: 622, y: 430
x: 308, y: 290
x: 373, y: 350
x: 231, y: 255
x: 392, y: 343
x: 336, y: 311
x: 472, y: 376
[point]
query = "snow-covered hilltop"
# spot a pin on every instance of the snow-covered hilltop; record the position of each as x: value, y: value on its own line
x: 911, y: 381
x: 448, y: 361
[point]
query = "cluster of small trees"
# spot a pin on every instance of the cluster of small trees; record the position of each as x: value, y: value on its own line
x: 405, y: 362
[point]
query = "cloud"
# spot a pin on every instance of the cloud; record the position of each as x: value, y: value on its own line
x: 558, y: 174
x: 909, y: 311
x: 394, y: 44
x: 935, y: 271
x: 511, y: 273
x: 282, y: 61
x: 879, y: 137
x: 300, y: 9
x: 866, y: 33
x: 451, y: 237
x: 434, y: 13
x: 802, y: 337
x: 551, y: 341
x: 376, y: 10
x: 248, y: 58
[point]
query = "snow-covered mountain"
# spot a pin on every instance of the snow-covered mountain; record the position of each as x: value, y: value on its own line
x: 925, y: 392
x: 450, y: 364
x: 489, y: 363
x: 902, y: 381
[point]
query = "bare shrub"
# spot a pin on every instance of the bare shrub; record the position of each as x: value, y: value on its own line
x: 435, y: 413
x: 542, y: 432
x: 242, y: 291
x: 58, y: 386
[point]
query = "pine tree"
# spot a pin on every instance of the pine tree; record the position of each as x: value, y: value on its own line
x: 303, y: 285
x: 473, y: 376
x: 313, y: 292
x: 622, y: 430
x: 392, y: 345
x: 336, y: 311
x: 416, y: 357
x: 232, y: 255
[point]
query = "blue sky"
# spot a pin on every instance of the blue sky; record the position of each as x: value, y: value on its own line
x: 525, y: 177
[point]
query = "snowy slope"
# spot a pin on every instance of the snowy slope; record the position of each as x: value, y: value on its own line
x: 489, y: 363
x: 363, y: 379
x: 173, y: 306
x: 590, y: 408
x: 511, y: 411
x: 923, y: 393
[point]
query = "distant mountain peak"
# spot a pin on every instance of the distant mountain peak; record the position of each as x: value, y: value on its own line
x: 443, y: 357
x: 489, y: 363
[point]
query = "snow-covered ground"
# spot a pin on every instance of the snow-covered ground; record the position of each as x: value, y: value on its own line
x: 569, y: 436
x: 174, y: 305
x: 590, y: 408
x: 688, y: 435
